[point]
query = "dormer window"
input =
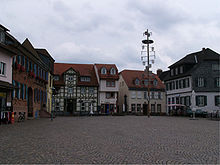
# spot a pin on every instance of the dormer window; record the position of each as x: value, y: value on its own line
x: 171, y: 72
x: 56, y: 78
x: 112, y: 71
x: 137, y: 82
x: 176, y: 71
x: 103, y: 70
x: 85, y: 79
x: 146, y: 82
x: 181, y: 69
x: 2, y: 36
x: 155, y: 82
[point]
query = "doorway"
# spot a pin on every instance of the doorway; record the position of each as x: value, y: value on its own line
x: 30, y: 102
x: 71, y: 105
x: 145, y: 109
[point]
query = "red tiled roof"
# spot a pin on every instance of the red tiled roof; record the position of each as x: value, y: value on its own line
x: 108, y: 75
x: 81, y: 69
x: 130, y: 76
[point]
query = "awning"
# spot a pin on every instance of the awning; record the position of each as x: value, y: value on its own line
x: 6, y: 85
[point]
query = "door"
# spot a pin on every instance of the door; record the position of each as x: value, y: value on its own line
x: 71, y: 106
x: 30, y: 102
x: 145, y: 109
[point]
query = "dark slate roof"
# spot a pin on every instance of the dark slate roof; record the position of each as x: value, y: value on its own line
x: 192, y: 60
x: 204, y: 54
x: 164, y: 74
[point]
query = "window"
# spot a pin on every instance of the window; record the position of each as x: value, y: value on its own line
x: 2, y: 69
x: 216, y: 67
x: 159, y: 95
x: 133, y: 94
x: 200, y: 82
x: 217, y: 100
x: 187, y: 82
x: 112, y: 71
x: 187, y: 99
x: 177, y: 85
x: 83, y: 107
x: 156, y: 95
x: 133, y: 107
x: 137, y: 82
x: 153, y: 108
x: 201, y: 101
x: 2, y: 36
x: 103, y: 70
x: 18, y: 90
x: 56, y: 78
x: 169, y: 100
x: 171, y: 72
x: 70, y: 90
x: 173, y: 85
x: 145, y: 95
x: 110, y: 95
x: 152, y: 95
x: 83, y: 90
x: 110, y: 83
x: 138, y: 107
x: 181, y: 69
x: 139, y: 95
x: 155, y: 82
x: 217, y: 81
x: 91, y: 90
x: 176, y: 71
x: 70, y: 78
x: 85, y: 79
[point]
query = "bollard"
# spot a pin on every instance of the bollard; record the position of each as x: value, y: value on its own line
x: 12, y: 118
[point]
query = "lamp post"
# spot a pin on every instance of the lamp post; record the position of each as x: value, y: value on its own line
x: 146, y: 58
x: 53, y: 106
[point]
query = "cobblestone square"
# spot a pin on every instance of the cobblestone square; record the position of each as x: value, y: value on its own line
x: 111, y: 140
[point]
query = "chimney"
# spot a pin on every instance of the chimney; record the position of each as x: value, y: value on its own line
x: 159, y: 71
x: 203, y: 51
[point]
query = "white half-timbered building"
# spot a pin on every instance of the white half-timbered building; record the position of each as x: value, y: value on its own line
x: 76, y: 89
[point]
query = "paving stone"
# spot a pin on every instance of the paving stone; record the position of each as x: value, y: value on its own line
x: 111, y: 140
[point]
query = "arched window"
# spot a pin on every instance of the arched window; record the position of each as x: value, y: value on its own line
x: 112, y: 71
x: 137, y: 82
x: 103, y: 70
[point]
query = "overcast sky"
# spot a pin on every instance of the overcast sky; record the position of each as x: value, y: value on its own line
x: 111, y: 31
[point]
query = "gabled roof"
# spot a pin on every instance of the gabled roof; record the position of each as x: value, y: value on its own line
x: 81, y: 69
x: 108, y: 75
x: 193, y: 58
x: 44, y: 52
x: 130, y: 76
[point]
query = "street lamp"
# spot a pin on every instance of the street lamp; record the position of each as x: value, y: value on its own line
x: 147, y: 59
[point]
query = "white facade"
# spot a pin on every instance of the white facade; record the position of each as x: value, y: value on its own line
x: 7, y: 60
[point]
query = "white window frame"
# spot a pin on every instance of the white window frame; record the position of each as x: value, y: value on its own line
x: 3, y: 68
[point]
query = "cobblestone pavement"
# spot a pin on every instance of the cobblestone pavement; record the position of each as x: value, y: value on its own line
x: 111, y: 139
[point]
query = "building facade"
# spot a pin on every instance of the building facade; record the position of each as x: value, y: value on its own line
x: 193, y: 82
x: 133, y: 93
x: 76, y: 89
x: 5, y: 72
x: 108, y: 80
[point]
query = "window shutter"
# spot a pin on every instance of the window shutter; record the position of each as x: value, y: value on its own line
x: 205, y: 82
x: 197, y: 100
x: 216, y: 97
x: 26, y: 96
x: 23, y: 92
x: 215, y: 81
x: 205, y: 100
